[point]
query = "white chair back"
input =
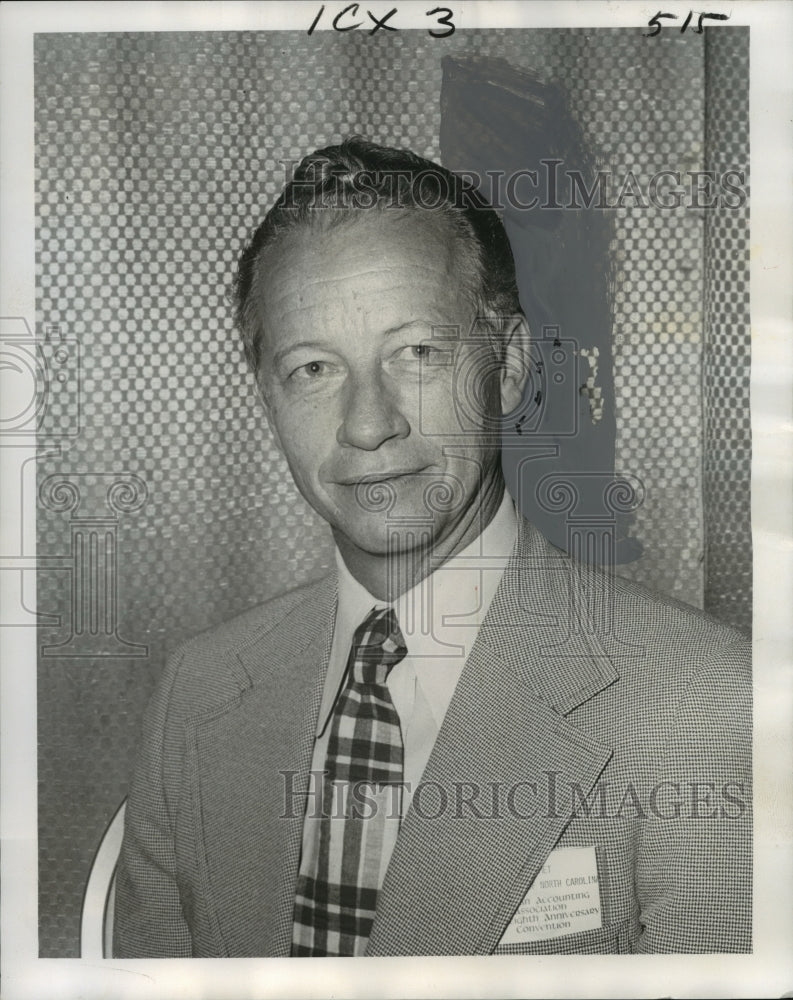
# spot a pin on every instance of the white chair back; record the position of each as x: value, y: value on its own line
x: 96, y: 923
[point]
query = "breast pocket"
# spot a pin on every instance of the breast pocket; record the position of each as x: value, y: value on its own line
x: 613, y: 939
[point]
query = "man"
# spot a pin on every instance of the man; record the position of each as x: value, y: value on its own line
x: 462, y: 742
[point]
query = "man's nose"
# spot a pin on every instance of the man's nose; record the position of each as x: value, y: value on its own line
x: 371, y: 415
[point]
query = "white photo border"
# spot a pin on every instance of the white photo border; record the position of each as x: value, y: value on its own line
x: 769, y: 970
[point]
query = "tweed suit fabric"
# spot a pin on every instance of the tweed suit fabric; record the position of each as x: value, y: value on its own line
x: 588, y: 689
x: 162, y: 911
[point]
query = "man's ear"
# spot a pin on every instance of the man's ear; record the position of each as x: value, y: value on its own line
x: 515, y: 369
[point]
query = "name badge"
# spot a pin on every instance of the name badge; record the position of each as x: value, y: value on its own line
x: 563, y: 899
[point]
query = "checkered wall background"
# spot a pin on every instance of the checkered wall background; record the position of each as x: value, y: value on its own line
x: 156, y: 154
x: 727, y: 432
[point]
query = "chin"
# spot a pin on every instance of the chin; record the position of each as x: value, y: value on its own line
x: 376, y: 536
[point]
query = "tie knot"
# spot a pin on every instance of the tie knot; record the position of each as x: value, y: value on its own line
x: 377, y: 646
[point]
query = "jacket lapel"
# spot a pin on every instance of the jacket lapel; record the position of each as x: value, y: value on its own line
x: 458, y: 873
x: 250, y: 775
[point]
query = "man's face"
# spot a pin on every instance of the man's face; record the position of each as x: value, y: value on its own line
x: 361, y: 405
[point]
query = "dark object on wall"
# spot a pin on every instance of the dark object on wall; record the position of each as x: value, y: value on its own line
x: 517, y: 135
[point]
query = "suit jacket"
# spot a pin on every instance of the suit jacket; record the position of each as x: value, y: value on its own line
x: 579, y: 687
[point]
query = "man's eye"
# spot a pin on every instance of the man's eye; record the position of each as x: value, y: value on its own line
x: 314, y: 369
x: 418, y: 352
x: 434, y: 355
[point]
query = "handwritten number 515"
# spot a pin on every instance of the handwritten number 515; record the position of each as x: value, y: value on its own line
x: 656, y: 25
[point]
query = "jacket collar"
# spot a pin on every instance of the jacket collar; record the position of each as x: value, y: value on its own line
x: 546, y: 624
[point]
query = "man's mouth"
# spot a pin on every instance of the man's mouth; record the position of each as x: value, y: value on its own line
x: 386, y: 476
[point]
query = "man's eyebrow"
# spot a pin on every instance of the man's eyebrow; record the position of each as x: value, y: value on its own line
x: 285, y: 351
x: 425, y: 323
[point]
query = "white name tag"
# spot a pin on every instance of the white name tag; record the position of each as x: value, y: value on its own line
x: 563, y: 899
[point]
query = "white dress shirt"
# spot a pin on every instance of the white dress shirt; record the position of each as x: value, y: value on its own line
x: 439, y: 619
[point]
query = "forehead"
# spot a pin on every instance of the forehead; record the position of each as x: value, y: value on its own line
x: 376, y: 261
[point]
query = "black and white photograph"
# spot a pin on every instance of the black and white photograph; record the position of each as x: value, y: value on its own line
x: 396, y: 499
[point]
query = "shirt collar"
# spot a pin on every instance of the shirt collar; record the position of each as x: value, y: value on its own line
x: 439, y: 616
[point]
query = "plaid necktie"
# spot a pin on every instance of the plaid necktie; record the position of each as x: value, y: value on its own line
x: 337, y: 888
